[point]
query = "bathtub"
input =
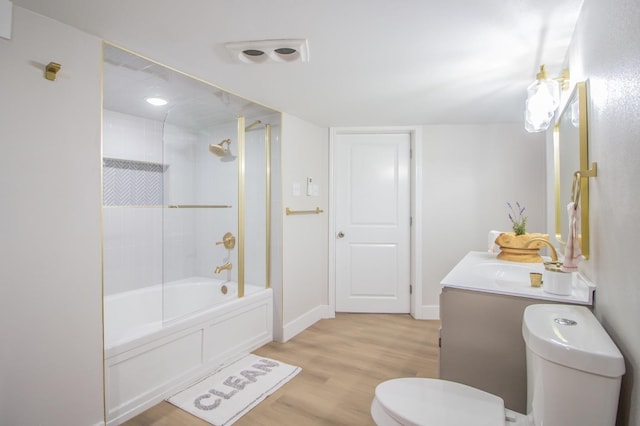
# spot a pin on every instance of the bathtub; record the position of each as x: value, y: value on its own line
x: 149, y: 357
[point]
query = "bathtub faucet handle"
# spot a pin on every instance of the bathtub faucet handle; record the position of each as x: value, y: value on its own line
x: 221, y: 268
x: 228, y: 240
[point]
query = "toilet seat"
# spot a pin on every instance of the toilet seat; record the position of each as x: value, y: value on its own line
x: 421, y: 402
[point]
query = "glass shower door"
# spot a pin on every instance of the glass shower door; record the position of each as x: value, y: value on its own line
x: 201, y: 208
x: 256, y: 205
x: 186, y: 192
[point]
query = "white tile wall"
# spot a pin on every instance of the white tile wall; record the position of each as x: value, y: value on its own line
x: 133, y: 250
x: 150, y: 245
x: 132, y: 138
x: 216, y: 183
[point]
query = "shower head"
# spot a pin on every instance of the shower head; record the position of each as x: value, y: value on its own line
x: 255, y: 123
x: 219, y: 149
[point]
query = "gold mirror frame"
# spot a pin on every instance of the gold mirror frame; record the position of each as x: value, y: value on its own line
x: 571, y: 160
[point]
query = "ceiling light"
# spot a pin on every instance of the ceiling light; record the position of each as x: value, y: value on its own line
x: 156, y: 101
x: 260, y: 51
x: 543, y: 98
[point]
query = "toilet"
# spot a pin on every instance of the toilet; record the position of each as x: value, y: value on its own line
x: 573, y: 378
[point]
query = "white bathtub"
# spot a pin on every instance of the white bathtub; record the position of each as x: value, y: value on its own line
x: 148, y: 357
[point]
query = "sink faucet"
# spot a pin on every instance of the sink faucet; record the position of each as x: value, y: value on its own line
x: 554, y: 253
x: 219, y: 269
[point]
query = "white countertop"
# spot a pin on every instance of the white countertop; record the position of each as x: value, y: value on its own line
x: 482, y: 271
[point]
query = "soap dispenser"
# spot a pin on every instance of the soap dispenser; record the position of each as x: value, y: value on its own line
x: 555, y: 280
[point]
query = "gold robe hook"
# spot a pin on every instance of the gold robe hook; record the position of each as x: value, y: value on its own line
x: 51, y: 70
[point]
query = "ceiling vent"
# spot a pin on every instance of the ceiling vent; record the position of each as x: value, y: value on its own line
x: 261, y: 51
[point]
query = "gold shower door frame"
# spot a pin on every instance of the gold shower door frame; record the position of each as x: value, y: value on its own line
x: 242, y: 204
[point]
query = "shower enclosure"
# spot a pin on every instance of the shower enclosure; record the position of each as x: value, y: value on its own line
x: 178, y: 178
x: 186, y: 193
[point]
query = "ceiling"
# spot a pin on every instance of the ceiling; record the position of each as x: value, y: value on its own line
x: 372, y: 62
x: 128, y: 80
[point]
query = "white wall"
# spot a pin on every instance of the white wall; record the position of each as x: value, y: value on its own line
x: 50, y: 291
x: 606, y: 52
x: 132, y: 235
x: 131, y: 138
x: 305, y: 152
x: 469, y: 174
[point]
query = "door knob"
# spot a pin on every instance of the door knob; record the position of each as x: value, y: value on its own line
x: 340, y: 234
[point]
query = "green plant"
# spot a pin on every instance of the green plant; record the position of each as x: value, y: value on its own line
x: 518, y: 220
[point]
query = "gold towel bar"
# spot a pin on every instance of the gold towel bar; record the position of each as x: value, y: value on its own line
x: 316, y: 211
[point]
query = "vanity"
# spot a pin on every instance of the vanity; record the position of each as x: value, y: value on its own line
x: 481, y: 307
x: 483, y: 298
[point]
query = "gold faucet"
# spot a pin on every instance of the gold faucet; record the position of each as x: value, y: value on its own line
x: 219, y: 269
x: 554, y: 253
x: 554, y: 265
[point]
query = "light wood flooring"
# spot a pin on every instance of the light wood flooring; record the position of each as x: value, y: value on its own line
x: 342, y: 360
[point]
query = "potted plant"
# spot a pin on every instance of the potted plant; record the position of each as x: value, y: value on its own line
x: 516, y: 246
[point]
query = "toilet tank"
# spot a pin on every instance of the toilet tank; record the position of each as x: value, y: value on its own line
x: 573, y: 367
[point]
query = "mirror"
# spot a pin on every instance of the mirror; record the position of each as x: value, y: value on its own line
x: 571, y: 155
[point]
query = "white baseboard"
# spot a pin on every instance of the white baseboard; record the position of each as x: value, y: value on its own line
x: 304, y: 321
x: 427, y: 312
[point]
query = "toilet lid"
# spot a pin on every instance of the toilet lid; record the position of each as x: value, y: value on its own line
x: 420, y: 401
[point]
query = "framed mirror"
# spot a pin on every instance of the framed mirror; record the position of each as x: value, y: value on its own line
x: 571, y: 156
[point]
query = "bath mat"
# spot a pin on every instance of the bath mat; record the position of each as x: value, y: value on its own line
x: 225, y: 396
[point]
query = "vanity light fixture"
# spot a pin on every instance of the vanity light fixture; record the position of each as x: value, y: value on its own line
x: 156, y: 101
x: 543, y: 98
x: 260, y: 51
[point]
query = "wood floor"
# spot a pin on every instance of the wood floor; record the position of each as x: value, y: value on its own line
x: 342, y: 360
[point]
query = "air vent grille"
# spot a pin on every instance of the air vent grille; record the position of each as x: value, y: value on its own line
x: 261, y: 51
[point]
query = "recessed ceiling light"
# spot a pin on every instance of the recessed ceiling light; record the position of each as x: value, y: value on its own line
x: 156, y: 101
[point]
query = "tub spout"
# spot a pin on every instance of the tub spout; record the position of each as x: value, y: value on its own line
x: 219, y: 269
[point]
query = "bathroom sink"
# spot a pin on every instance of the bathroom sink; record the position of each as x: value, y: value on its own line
x: 505, y: 275
x: 481, y: 271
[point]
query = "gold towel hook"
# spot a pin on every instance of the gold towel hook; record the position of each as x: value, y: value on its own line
x: 51, y: 70
x: 577, y: 181
x: 592, y: 172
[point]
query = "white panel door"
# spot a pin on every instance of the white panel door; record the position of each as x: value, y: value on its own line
x: 372, y: 208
